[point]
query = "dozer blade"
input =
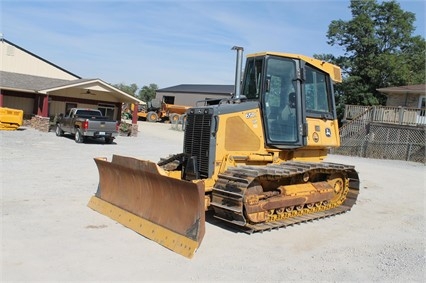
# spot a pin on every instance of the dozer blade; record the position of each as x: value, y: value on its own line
x: 138, y: 194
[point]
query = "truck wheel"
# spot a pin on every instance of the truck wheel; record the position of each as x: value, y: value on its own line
x: 79, y: 138
x: 108, y: 140
x: 58, y: 131
x: 152, y: 117
x: 174, y: 118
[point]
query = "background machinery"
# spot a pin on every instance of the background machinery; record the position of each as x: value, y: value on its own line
x: 156, y: 110
x: 11, y: 119
x: 256, y: 161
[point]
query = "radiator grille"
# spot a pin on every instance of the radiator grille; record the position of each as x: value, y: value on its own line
x: 197, y: 141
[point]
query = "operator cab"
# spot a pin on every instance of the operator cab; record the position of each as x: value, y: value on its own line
x: 289, y: 90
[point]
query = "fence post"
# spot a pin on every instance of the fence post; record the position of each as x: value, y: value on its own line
x: 408, y: 152
x: 373, y: 114
x: 401, y: 115
x: 364, y: 148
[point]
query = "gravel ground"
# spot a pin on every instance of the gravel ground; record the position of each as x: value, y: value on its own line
x: 49, y: 234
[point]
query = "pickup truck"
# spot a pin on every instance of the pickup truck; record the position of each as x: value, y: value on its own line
x: 84, y: 123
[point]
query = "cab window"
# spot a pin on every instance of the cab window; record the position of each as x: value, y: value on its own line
x: 318, y: 94
x: 253, y: 81
x: 280, y: 101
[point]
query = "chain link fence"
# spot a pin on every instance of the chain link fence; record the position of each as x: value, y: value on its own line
x: 384, y: 141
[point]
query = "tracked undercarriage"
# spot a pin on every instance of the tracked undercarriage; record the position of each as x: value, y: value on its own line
x: 273, y: 196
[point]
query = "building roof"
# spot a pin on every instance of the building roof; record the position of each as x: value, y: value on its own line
x: 407, y: 89
x: 35, y: 84
x: 200, y: 88
x: 32, y: 83
x: 28, y: 83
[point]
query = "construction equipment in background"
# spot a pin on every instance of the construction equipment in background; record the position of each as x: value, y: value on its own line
x: 158, y: 111
x: 256, y: 161
x: 11, y: 119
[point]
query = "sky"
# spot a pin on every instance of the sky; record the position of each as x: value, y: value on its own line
x: 172, y: 42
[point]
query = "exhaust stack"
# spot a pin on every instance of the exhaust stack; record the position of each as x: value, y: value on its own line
x: 238, y: 71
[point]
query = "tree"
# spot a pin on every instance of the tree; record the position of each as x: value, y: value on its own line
x: 380, y: 51
x: 147, y: 93
x: 129, y: 89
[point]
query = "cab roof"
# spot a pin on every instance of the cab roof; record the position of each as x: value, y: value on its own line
x: 333, y: 70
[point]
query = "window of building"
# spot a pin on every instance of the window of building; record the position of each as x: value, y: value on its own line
x: 107, y: 110
x: 169, y: 99
x: 69, y: 106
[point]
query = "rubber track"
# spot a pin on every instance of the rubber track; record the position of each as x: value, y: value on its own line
x: 240, y: 178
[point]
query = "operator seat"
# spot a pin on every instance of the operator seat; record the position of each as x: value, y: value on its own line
x: 285, y: 127
x: 289, y: 110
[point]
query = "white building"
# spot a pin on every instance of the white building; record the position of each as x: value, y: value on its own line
x: 43, y: 90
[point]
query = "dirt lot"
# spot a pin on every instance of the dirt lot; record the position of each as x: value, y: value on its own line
x: 49, y: 234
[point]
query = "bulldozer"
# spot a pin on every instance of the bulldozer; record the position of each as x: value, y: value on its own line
x: 255, y: 161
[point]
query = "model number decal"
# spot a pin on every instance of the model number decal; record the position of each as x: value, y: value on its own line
x: 250, y: 115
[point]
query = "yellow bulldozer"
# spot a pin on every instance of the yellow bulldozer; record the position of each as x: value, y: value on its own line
x: 10, y: 119
x: 255, y: 161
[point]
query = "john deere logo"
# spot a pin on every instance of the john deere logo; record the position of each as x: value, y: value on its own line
x: 315, y: 137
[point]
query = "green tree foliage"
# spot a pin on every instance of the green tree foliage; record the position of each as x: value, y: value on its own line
x: 380, y: 51
x: 147, y: 93
x: 129, y: 89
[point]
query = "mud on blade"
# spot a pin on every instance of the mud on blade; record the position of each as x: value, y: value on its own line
x: 136, y: 194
